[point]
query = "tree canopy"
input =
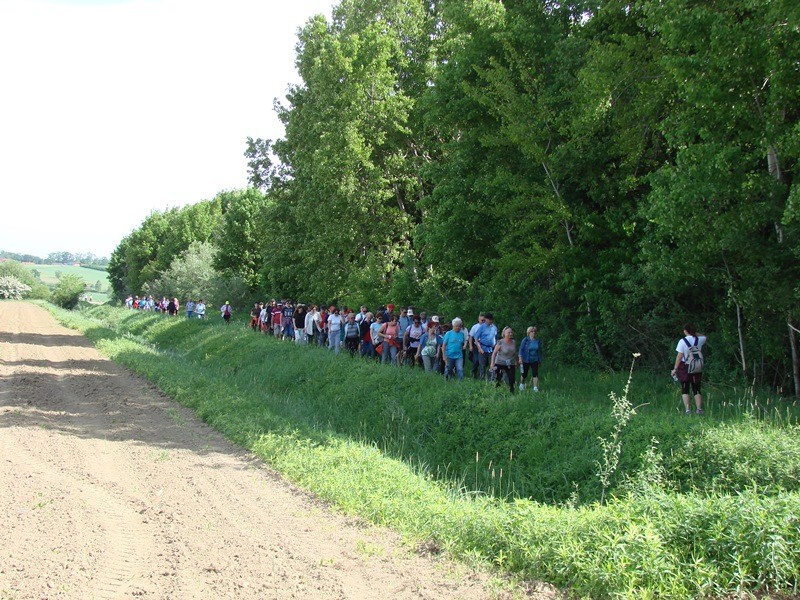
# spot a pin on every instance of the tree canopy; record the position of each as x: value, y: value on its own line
x: 608, y: 170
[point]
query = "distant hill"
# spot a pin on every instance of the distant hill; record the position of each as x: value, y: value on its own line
x: 87, y: 260
x: 23, y: 258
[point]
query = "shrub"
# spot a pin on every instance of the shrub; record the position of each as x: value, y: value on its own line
x: 68, y: 291
x: 12, y: 268
x: 12, y: 288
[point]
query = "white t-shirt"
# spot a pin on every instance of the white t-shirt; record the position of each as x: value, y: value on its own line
x: 684, y: 349
x: 334, y: 323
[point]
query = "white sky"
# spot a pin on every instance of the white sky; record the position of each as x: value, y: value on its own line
x: 111, y: 109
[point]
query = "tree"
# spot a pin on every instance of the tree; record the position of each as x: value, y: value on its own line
x: 351, y: 153
x: 241, y: 238
x: 191, y: 276
x: 731, y: 71
x: 67, y: 292
x: 148, y: 250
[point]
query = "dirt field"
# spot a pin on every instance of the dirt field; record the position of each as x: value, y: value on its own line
x: 111, y: 490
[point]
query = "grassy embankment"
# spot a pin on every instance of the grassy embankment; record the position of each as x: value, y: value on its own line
x: 712, y: 509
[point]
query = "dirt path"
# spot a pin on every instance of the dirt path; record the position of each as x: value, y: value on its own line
x: 111, y: 490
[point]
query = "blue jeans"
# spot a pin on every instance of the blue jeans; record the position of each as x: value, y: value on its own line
x: 334, y: 341
x: 483, y: 364
x: 454, y: 363
x: 389, y: 353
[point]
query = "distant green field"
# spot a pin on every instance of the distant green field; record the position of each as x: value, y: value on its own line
x: 49, y: 275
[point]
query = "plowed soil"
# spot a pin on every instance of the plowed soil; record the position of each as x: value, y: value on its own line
x: 109, y: 489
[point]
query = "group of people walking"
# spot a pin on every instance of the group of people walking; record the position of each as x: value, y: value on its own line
x: 166, y: 306
x: 407, y: 337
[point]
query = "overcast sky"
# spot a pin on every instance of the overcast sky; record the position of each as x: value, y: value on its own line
x: 111, y: 109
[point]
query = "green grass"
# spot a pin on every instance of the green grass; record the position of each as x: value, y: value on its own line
x: 47, y: 274
x: 511, y: 480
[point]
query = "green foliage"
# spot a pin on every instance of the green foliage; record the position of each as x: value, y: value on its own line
x: 297, y: 411
x: 607, y: 171
x: 68, y: 291
x: 21, y: 273
x: 147, y: 252
x: 240, y: 239
x: 191, y: 276
x: 12, y: 288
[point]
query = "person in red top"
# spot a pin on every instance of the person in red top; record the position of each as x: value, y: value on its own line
x: 322, y: 338
x: 276, y: 319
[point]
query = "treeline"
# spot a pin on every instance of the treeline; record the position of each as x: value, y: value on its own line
x: 607, y: 170
x: 88, y: 260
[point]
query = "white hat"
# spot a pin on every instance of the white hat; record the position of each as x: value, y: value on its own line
x: 410, y: 313
x: 435, y: 319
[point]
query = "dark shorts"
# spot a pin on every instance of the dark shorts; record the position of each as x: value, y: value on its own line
x: 694, y: 382
x: 531, y: 369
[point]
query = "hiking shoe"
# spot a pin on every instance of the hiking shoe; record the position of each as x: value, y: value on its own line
x: 688, y: 412
x: 521, y: 386
x: 699, y: 411
x: 535, y: 389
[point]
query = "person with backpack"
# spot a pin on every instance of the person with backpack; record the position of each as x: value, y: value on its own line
x: 226, y: 311
x: 428, y: 347
x: 689, y: 365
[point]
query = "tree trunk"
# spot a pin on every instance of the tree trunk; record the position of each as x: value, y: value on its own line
x: 740, y: 330
x: 795, y: 356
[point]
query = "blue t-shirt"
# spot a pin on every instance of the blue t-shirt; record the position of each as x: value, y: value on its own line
x: 453, y: 343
